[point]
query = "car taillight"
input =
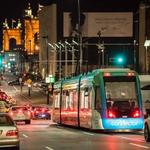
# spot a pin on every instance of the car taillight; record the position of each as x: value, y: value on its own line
x: 111, y: 114
x: 11, y: 113
x: 12, y: 133
x: 136, y: 114
x: 20, y: 111
x: 36, y: 112
x: 29, y: 113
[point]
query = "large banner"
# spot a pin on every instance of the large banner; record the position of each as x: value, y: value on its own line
x: 111, y: 24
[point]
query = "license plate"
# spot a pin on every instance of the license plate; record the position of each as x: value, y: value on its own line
x: 20, y: 116
x: 124, y: 116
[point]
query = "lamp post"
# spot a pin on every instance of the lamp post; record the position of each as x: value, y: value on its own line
x: 100, y: 46
x: 60, y: 57
x: 47, y: 56
x: 79, y: 38
x: 30, y: 63
x: 134, y: 44
x: 47, y: 69
x: 146, y: 45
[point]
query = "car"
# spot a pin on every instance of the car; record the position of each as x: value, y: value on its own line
x: 14, y: 82
x: 40, y: 112
x: 4, y: 107
x: 147, y: 128
x: 9, y: 134
x: 20, y: 113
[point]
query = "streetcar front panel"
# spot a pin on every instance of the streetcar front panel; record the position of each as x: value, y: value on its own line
x: 122, y: 108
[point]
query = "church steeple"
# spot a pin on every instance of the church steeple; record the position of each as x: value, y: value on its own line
x: 19, y: 24
x: 5, y: 24
x: 28, y: 11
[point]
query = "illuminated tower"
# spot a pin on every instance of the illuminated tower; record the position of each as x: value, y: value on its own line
x: 11, y: 35
x: 31, y: 31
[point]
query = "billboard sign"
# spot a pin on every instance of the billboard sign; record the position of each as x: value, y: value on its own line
x: 111, y: 24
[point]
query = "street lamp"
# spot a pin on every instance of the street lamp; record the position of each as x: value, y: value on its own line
x: 60, y: 57
x: 47, y: 56
x: 100, y: 46
x: 146, y: 45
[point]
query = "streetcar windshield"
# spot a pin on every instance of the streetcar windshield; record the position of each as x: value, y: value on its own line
x: 121, y: 95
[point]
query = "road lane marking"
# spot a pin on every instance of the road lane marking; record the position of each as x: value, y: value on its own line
x: 25, y: 135
x: 15, y: 88
x: 88, y: 133
x: 138, y: 145
x: 132, y: 139
x: 49, y: 148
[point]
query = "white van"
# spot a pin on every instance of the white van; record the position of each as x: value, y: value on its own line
x: 145, y: 91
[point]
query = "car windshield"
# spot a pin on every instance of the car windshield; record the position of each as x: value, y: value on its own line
x: 41, y: 109
x: 19, y: 108
x: 6, y: 121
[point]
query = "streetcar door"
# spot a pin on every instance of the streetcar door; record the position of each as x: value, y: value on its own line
x: 86, y: 107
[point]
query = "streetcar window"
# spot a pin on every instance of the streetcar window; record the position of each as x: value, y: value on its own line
x: 85, y: 96
x: 75, y: 100
x: 69, y: 99
x: 63, y: 100
x: 121, y: 95
x: 97, y: 99
x: 116, y: 88
x: 57, y: 100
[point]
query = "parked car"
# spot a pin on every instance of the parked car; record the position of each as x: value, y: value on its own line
x: 14, y: 82
x: 4, y: 107
x: 9, y: 134
x: 20, y: 113
x: 40, y: 112
x: 147, y: 128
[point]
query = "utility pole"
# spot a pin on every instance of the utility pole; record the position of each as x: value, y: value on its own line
x: 60, y: 59
x: 47, y: 56
x: 100, y: 46
x: 66, y: 59
x: 47, y: 69
x: 134, y: 44
x: 80, y: 57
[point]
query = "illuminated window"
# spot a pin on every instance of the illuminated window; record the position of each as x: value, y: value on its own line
x: 57, y: 100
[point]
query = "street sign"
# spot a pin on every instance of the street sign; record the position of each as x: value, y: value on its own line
x: 20, y: 79
x: 50, y: 79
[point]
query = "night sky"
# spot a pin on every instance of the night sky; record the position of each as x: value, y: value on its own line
x: 14, y: 9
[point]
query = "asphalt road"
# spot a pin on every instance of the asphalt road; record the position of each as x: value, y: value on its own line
x: 43, y: 134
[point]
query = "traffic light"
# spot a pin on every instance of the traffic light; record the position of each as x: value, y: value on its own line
x: 120, y: 60
x: 1, y: 61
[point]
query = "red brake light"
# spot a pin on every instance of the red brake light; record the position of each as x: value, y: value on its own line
x: 12, y: 133
x: 107, y: 74
x: 36, y: 112
x: 111, y: 114
x: 130, y: 73
x: 11, y: 113
x: 20, y: 111
x: 29, y: 113
x: 136, y: 114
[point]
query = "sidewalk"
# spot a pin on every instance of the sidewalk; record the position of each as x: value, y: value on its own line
x: 36, y: 96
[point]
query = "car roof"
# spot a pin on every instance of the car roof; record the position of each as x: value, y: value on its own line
x: 19, y: 107
x: 4, y: 114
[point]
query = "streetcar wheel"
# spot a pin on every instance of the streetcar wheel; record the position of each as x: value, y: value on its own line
x: 146, y: 133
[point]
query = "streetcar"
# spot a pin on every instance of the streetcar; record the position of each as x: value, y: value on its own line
x: 104, y: 99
